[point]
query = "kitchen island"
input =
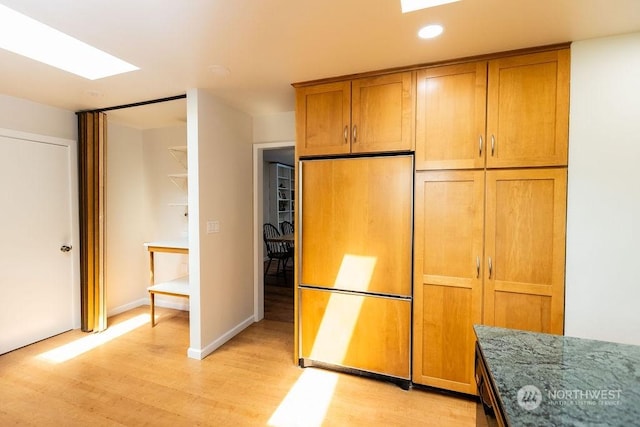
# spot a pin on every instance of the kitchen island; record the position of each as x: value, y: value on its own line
x: 534, y: 379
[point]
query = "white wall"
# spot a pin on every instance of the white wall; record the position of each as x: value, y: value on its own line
x: 275, y: 127
x: 26, y: 116
x: 138, y: 197
x: 220, y: 189
x: 603, y: 268
x: 163, y: 221
x: 126, y: 261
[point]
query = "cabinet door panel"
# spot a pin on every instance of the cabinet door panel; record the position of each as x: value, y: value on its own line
x: 323, y: 114
x: 523, y: 311
x: 528, y: 110
x: 382, y: 113
x: 363, y: 332
x: 447, y: 280
x: 450, y: 117
x: 525, y: 244
x: 356, y: 224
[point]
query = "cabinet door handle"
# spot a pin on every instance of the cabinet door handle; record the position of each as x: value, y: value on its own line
x: 346, y: 134
x: 480, y: 147
x: 355, y: 133
x: 490, y: 268
x: 493, y: 144
x: 477, y: 267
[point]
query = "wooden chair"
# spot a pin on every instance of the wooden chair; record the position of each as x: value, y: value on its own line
x: 286, y: 227
x: 275, y: 250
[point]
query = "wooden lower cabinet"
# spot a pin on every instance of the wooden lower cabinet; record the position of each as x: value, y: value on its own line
x: 525, y: 249
x: 447, y: 282
x: 368, y: 333
x: 489, y: 249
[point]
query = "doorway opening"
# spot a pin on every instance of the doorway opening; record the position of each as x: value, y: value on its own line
x: 263, y: 155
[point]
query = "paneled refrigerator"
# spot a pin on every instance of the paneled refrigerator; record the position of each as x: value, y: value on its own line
x: 355, y: 224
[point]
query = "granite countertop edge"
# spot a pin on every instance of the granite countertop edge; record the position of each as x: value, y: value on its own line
x: 559, y: 380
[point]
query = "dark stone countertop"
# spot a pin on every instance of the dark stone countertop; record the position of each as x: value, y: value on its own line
x: 552, y: 380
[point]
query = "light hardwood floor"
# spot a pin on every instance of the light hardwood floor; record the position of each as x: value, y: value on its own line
x: 143, y: 377
x: 278, y: 294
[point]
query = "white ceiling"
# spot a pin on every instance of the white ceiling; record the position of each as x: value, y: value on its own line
x: 268, y: 44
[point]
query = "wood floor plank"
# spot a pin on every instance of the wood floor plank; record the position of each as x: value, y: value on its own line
x: 145, y: 378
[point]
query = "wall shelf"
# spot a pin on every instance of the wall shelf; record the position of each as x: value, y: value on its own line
x: 281, y: 193
x: 179, y: 153
x: 180, y: 180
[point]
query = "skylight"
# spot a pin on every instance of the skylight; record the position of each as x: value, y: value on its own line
x: 25, y: 36
x: 412, y: 5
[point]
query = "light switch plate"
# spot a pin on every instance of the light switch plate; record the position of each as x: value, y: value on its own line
x: 213, y: 227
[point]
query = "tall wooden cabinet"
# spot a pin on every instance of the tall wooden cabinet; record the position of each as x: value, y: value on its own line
x: 366, y: 115
x: 491, y: 149
x: 490, y: 207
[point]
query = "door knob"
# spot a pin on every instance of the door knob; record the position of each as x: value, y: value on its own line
x: 65, y: 248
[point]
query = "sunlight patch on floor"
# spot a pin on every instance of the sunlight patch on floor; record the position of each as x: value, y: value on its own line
x: 307, y: 402
x: 82, y: 345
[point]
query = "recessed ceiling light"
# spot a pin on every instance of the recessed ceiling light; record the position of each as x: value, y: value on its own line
x: 412, y: 5
x: 94, y: 93
x: 28, y: 37
x: 430, y: 31
x: 219, y: 70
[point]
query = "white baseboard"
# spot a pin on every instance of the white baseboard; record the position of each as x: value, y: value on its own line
x: 213, y: 346
x: 178, y: 305
x: 127, y: 307
x: 182, y: 304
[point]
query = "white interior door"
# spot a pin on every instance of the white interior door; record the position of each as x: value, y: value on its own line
x: 36, y: 272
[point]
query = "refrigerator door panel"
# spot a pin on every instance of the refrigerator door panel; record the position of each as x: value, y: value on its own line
x: 368, y: 333
x: 356, y: 222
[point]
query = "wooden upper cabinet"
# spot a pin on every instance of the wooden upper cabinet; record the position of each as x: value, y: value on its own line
x: 450, y: 116
x: 382, y: 113
x: 528, y: 110
x: 323, y: 119
x: 367, y: 115
x: 525, y: 249
x: 522, y: 102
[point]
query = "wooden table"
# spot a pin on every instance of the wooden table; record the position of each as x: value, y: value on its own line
x: 178, y: 287
x: 285, y: 238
